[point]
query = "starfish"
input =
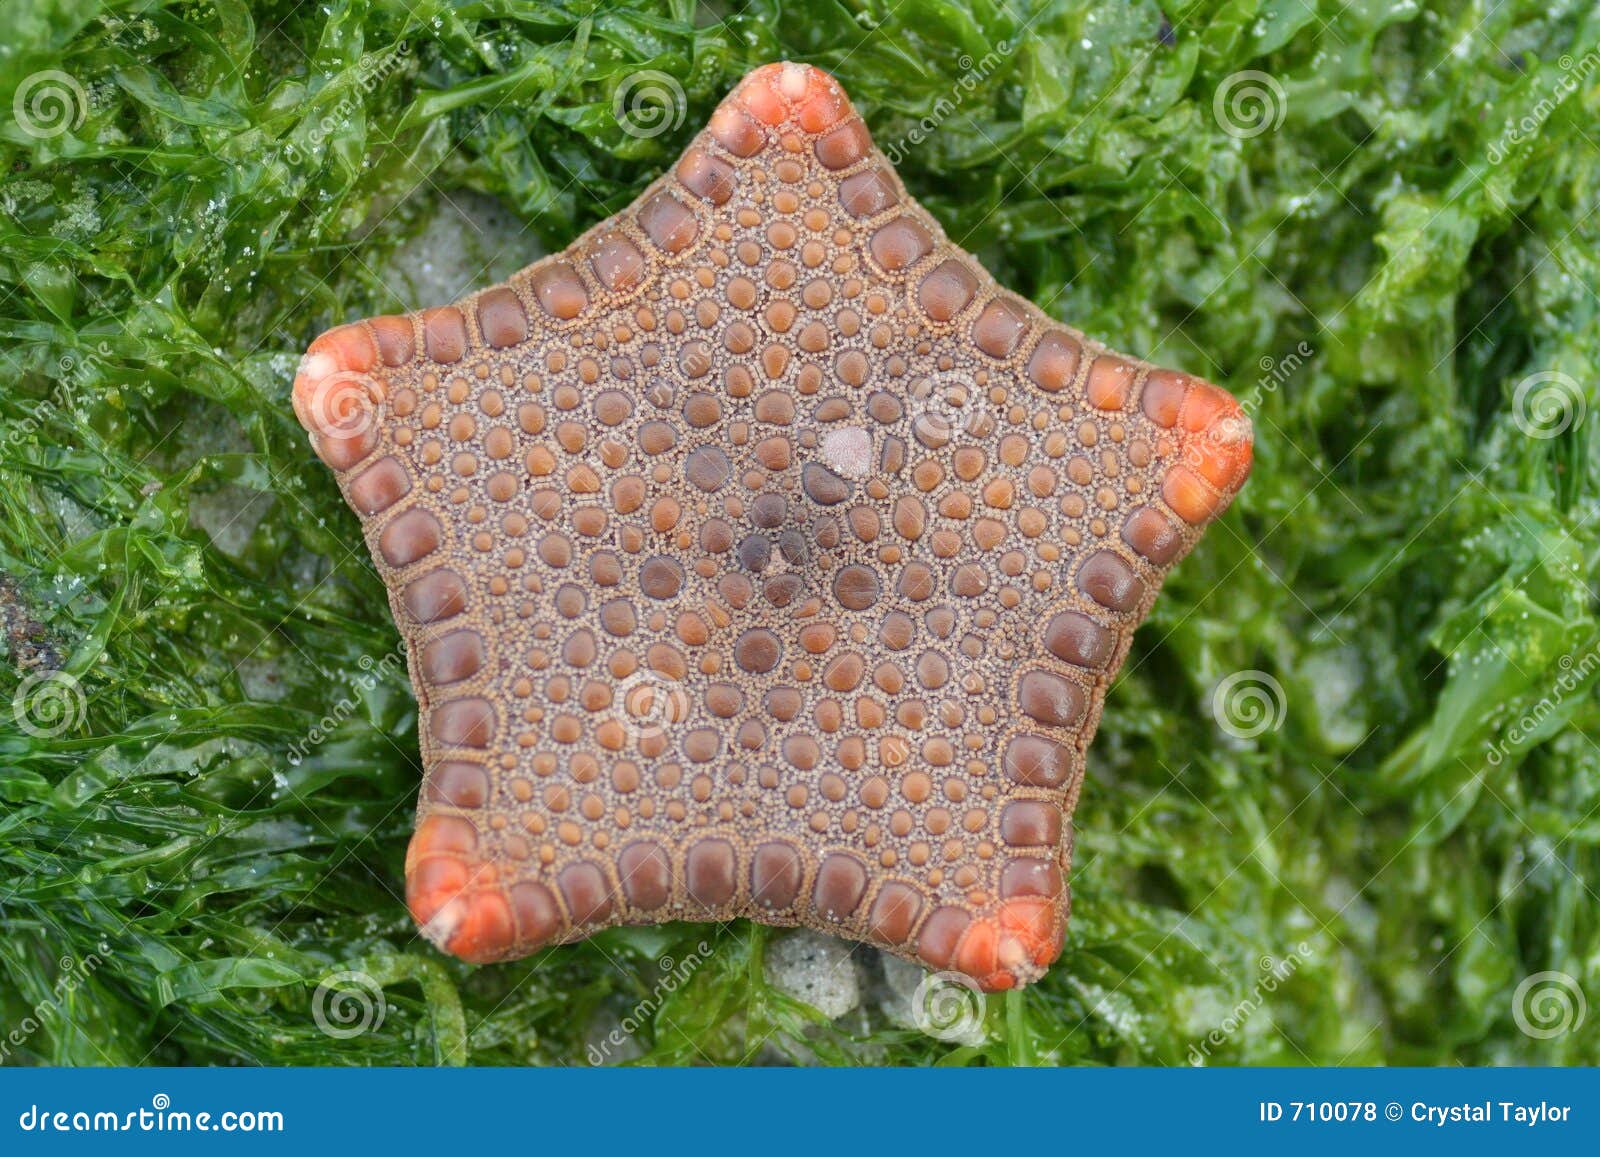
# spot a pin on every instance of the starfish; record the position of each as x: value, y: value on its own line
x: 758, y: 556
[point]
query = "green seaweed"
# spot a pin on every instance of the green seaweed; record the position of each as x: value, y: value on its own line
x: 208, y: 778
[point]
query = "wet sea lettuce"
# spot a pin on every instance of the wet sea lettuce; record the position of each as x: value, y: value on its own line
x: 1345, y: 805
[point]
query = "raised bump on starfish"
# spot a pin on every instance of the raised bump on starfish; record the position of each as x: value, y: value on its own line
x: 759, y: 556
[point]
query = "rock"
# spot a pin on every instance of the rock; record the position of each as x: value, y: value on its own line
x: 470, y: 240
x: 229, y: 516
x: 817, y: 969
x: 900, y: 981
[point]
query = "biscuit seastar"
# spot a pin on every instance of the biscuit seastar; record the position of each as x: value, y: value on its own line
x: 759, y: 556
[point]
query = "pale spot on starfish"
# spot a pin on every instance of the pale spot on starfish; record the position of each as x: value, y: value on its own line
x: 848, y: 451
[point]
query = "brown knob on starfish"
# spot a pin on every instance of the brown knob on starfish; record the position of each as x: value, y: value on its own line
x: 759, y: 556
